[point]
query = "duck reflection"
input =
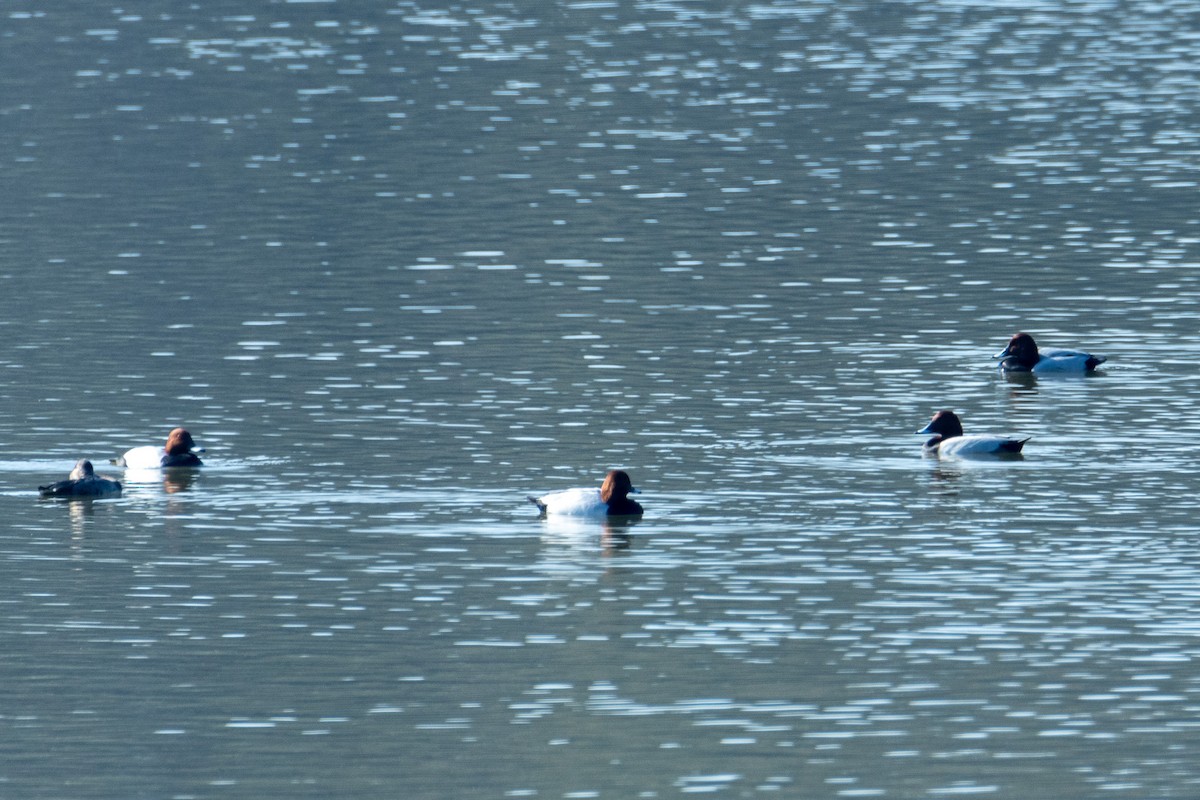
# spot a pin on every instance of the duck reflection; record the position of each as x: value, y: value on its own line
x: 1021, y: 382
x: 81, y: 512
x: 575, y: 536
x: 173, y: 480
x: 617, y: 534
x: 945, y: 479
x: 178, y: 479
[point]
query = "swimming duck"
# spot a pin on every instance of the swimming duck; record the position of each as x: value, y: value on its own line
x: 180, y: 451
x: 948, y: 439
x: 82, y: 482
x: 611, y: 499
x: 1022, y: 355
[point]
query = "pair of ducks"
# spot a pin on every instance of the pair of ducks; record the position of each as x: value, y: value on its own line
x: 179, y: 451
x: 1020, y: 356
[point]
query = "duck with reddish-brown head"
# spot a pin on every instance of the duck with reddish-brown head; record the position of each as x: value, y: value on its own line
x: 1023, y: 355
x: 610, y: 500
x: 179, y: 451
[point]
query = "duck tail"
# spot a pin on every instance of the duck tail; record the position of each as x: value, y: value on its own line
x: 541, y: 506
x: 1014, y: 445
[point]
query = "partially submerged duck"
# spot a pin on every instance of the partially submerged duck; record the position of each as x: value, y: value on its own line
x: 82, y: 482
x: 948, y: 440
x: 611, y: 499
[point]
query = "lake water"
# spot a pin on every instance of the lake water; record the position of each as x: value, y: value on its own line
x: 397, y: 266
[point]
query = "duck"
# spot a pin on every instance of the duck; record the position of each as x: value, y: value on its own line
x: 610, y: 500
x: 1022, y: 355
x: 948, y: 439
x: 179, y: 451
x: 82, y: 482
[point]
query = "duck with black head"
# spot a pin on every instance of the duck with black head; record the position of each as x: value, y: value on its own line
x: 948, y: 440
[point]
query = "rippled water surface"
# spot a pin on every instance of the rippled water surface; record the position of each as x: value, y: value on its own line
x: 397, y: 266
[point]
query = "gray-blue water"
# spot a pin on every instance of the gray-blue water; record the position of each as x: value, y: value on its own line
x: 397, y: 266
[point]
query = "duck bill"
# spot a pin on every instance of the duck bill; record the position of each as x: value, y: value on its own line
x: 1005, y: 353
x: 926, y: 429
